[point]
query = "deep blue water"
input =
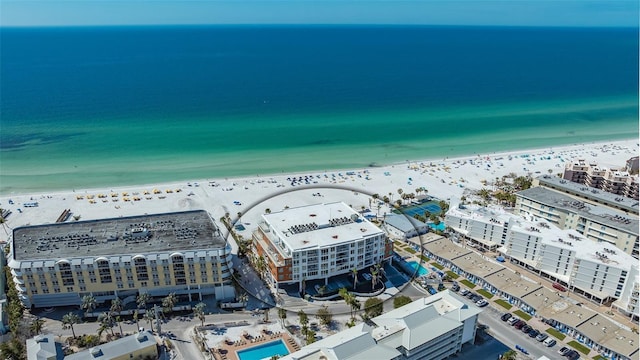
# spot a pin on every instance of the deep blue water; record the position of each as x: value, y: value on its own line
x: 114, y: 72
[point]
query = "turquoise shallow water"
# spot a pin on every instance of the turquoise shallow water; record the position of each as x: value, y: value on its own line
x: 94, y: 107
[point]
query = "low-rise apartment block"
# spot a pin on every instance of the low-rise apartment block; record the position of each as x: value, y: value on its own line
x: 318, y: 242
x: 430, y: 328
x: 598, y: 271
x: 181, y: 252
x: 596, y: 221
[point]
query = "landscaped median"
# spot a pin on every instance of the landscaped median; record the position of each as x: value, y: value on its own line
x: 555, y: 333
x: 576, y: 345
x: 505, y: 304
x: 522, y: 315
x: 452, y: 274
x: 468, y: 283
x: 437, y: 266
x: 485, y: 293
x: 424, y: 258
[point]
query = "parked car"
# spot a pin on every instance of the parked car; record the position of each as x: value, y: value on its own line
x: 558, y: 286
x: 549, y: 342
x: 572, y: 355
x: 533, y: 333
x: 525, y: 329
x: 513, y: 320
x: 505, y: 317
x: 563, y: 350
x: 476, y: 298
x: 482, y: 303
x: 542, y: 337
x: 464, y: 292
x: 520, y: 324
x: 470, y: 295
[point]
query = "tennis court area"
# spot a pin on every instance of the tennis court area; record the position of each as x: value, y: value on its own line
x: 432, y: 207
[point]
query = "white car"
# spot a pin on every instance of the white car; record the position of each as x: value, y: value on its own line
x: 482, y: 303
x: 464, y: 292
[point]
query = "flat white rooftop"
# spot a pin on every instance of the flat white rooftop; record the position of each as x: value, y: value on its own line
x: 320, y: 225
x: 570, y: 239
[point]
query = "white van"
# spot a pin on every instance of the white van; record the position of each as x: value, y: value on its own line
x: 549, y: 342
x: 513, y: 320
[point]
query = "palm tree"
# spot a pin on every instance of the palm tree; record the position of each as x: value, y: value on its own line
x: 354, y: 273
x: 374, y: 277
x: 261, y: 266
x: 198, y: 311
x: 282, y: 314
x: 136, y: 316
x: 509, y: 355
x: 106, y: 319
x: 89, y: 303
x: 169, y: 302
x: 3, y: 221
x: 142, y: 300
x: 243, y: 298
x: 149, y: 317
x: 70, y: 319
x: 36, y: 326
x: 116, y: 308
x: 350, y: 300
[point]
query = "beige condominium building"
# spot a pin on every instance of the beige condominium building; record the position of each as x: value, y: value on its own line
x: 612, y: 180
x: 180, y: 252
x: 318, y: 242
x: 596, y: 221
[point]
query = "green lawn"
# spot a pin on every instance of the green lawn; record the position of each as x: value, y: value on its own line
x: 437, y: 266
x: 522, y: 315
x: 410, y: 250
x: 505, y: 304
x: 485, y: 293
x: 576, y: 345
x: 599, y: 357
x: 452, y: 274
x: 557, y: 334
x: 468, y: 283
x: 424, y: 258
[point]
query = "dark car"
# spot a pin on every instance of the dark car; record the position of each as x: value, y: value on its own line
x: 572, y: 355
x: 470, y: 295
x: 563, y: 350
x: 455, y: 287
x: 505, y: 317
x: 542, y: 337
x: 525, y: 329
x: 520, y: 324
x: 477, y: 298
x: 533, y: 333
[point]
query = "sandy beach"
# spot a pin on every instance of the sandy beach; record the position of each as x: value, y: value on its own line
x: 442, y: 178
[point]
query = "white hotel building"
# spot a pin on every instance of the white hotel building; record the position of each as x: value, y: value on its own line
x: 598, y: 271
x: 318, y: 242
x: 430, y: 328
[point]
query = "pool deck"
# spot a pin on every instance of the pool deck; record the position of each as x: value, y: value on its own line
x: 228, y: 349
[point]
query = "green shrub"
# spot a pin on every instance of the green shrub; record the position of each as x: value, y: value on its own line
x: 576, y: 345
x: 452, y: 274
x: 557, y: 334
x: 505, y: 304
x: 522, y: 315
x: 468, y: 283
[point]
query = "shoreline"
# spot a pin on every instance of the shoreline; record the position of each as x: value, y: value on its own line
x: 372, y: 166
x: 249, y: 197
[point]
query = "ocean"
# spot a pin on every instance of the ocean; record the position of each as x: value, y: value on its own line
x: 86, y: 107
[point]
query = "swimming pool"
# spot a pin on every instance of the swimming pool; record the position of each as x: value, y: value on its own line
x: 415, y: 265
x: 264, y: 351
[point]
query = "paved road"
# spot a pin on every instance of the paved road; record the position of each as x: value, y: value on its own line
x: 511, y: 337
